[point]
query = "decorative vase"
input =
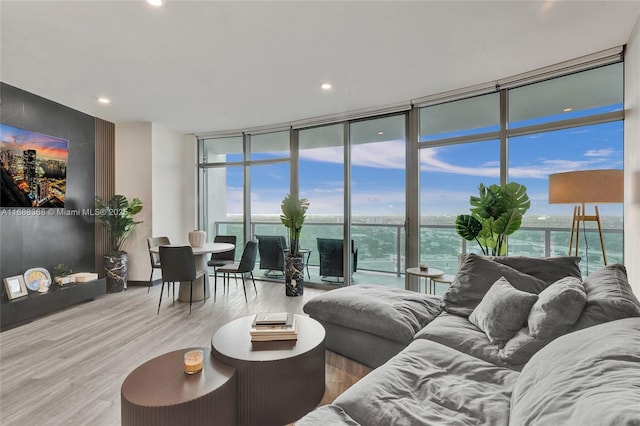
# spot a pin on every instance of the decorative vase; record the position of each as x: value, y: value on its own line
x: 115, y: 268
x: 294, y: 275
x: 197, y: 238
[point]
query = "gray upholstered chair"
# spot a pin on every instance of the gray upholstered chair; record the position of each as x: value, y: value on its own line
x: 178, y: 265
x: 246, y: 265
x: 155, y: 257
x: 272, y: 249
x: 331, y: 252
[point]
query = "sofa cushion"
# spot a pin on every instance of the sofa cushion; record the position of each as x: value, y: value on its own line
x: 431, y: 384
x: 502, y: 311
x: 548, y: 269
x: 557, y: 308
x: 580, y: 378
x: 609, y: 297
x: 476, y: 276
x: 458, y: 333
x: 391, y: 313
x: 327, y: 415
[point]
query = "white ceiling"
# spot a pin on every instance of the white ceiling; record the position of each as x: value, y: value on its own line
x: 198, y: 66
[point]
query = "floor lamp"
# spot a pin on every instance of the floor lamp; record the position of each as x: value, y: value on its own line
x: 582, y: 187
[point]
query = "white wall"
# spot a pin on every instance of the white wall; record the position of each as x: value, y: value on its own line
x: 133, y: 179
x: 157, y: 165
x: 632, y: 159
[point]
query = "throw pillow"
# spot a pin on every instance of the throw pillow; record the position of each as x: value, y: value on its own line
x: 502, y: 311
x: 548, y: 269
x: 557, y: 309
x: 518, y: 350
x: 476, y: 275
x: 609, y: 297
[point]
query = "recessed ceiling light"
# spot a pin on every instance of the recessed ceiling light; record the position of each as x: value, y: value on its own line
x: 155, y: 2
x: 381, y: 133
x: 104, y: 100
x: 567, y: 109
x: 326, y: 86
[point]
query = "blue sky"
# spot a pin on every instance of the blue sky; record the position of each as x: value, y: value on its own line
x: 449, y: 174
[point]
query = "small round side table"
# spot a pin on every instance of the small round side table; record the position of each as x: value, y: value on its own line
x: 159, y: 393
x: 427, y: 275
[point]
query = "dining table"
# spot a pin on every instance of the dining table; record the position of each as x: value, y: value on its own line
x: 200, y: 257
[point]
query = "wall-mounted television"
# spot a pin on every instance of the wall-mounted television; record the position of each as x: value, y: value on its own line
x: 33, y: 168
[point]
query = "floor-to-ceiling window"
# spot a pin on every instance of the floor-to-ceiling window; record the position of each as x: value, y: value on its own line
x: 459, y: 150
x: 321, y: 181
x: 269, y: 181
x: 522, y: 131
x: 378, y: 151
x: 222, y: 187
x: 569, y: 123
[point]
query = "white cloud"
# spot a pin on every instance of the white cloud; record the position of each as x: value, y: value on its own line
x: 608, y: 152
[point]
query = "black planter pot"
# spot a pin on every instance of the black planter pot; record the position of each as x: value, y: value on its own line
x: 115, y: 268
x: 294, y: 275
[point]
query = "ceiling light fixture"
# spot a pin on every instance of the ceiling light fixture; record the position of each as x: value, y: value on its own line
x: 156, y: 3
x: 325, y: 86
x: 381, y: 133
x: 567, y: 109
x: 104, y: 100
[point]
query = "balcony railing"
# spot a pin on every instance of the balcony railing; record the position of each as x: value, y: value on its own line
x: 381, y: 246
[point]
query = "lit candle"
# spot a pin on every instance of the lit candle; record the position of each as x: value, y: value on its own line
x: 193, y: 361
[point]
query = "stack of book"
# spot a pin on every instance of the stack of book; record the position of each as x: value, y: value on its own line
x: 269, y: 326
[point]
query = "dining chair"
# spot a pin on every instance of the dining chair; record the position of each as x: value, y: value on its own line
x: 155, y: 257
x: 246, y: 265
x: 223, y: 258
x: 178, y: 265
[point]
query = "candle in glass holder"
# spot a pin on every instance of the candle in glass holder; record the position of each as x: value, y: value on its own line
x: 193, y: 361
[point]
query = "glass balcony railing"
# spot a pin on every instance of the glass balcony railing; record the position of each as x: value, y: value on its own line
x: 381, y: 246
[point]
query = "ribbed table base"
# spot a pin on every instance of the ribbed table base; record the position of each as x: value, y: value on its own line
x: 159, y: 393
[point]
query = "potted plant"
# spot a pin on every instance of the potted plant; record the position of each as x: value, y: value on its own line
x: 496, y: 213
x: 116, y: 215
x: 293, y: 215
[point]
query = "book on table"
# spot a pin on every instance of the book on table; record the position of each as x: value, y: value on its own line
x: 272, y: 318
x: 262, y: 332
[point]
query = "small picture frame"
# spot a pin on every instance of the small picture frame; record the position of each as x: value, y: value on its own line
x: 15, y: 287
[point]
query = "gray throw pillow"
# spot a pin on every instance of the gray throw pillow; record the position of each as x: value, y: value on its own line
x: 548, y: 269
x: 518, y: 350
x: 609, y: 297
x: 502, y: 311
x: 557, y: 309
x: 476, y: 275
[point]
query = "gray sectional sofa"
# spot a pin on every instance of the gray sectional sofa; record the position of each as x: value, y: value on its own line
x: 514, y: 341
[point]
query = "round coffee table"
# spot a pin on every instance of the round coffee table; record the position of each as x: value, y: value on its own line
x: 159, y: 392
x: 280, y: 381
x: 428, y: 274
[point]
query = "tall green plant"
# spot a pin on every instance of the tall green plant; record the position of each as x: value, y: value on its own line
x: 116, y: 215
x: 294, y: 213
x: 495, y: 214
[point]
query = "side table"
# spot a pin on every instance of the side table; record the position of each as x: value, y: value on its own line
x: 159, y: 393
x: 279, y: 381
x: 427, y: 275
x: 443, y: 279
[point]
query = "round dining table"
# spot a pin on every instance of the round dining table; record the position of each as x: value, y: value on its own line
x: 200, y: 258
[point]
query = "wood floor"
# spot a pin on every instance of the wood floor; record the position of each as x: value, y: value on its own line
x: 67, y: 368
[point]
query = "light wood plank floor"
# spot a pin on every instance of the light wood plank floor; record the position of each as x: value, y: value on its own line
x: 67, y: 368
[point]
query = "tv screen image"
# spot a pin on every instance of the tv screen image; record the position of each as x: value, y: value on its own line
x: 33, y: 168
